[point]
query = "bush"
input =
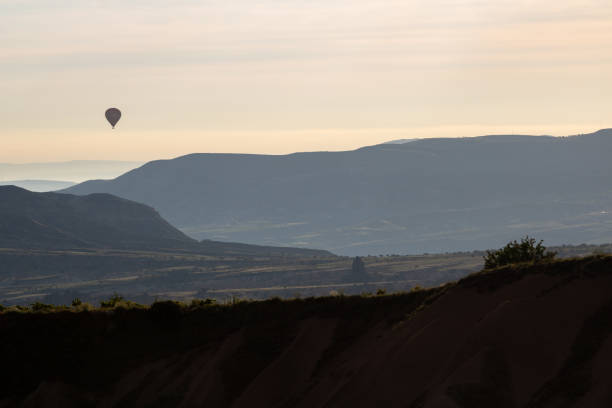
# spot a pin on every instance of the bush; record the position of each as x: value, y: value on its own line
x: 515, y: 252
x: 41, y: 307
x: 202, y: 302
x: 112, y: 301
x: 167, y: 312
x: 76, y: 302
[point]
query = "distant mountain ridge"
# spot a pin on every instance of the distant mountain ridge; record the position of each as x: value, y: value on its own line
x: 39, y: 186
x: 400, y: 141
x: 31, y: 220
x: 74, y: 171
x: 429, y: 195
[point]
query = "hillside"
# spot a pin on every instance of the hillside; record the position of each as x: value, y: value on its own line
x: 51, y: 221
x: 522, y: 336
x: 430, y: 195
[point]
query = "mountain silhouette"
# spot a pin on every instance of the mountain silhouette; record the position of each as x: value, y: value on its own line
x: 62, y: 221
x: 429, y: 195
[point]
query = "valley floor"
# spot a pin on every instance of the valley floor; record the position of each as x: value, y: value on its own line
x: 57, y: 277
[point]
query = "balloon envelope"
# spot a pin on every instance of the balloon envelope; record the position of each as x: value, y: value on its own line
x: 113, y: 115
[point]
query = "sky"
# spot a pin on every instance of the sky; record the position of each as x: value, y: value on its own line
x: 279, y: 76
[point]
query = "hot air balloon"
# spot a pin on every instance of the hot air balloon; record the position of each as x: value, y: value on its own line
x: 113, y: 115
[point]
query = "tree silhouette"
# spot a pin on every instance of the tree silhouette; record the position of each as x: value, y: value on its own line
x: 358, y: 268
x: 514, y: 252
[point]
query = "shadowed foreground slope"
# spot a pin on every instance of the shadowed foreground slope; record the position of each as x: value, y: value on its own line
x: 535, y: 336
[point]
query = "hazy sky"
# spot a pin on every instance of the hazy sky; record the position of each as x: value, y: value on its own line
x: 277, y: 76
